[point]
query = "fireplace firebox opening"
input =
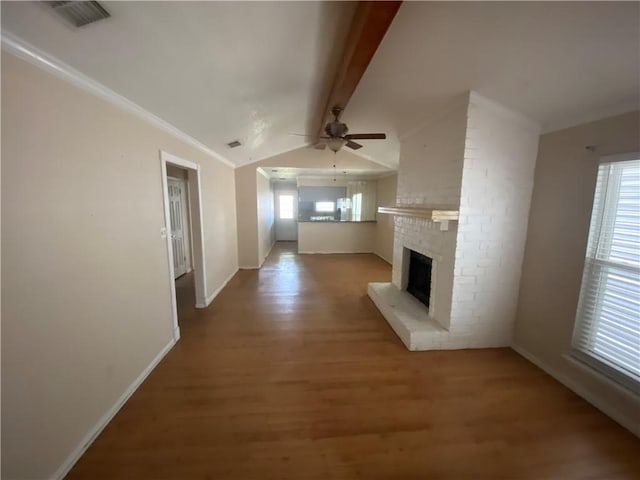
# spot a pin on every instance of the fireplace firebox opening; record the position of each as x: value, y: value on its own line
x: 419, y: 277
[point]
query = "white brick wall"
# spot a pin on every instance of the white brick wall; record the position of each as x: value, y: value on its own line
x: 430, y: 173
x: 497, y: 180
x: 431, y: 160
x: 480, y: 157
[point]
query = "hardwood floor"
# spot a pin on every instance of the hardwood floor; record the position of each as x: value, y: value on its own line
x: 292, y: 373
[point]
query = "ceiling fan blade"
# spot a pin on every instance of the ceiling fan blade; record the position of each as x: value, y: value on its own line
x: 365, y: 136
x: 310, y: 136
x: 353, y: 145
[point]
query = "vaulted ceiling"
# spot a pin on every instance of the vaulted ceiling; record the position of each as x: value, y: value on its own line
x: 256, y: 72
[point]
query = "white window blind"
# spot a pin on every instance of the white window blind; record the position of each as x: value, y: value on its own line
x: 607, y: 329
x: 356, y: 212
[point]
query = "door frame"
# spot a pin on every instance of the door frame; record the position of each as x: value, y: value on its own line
x: 197, y: 233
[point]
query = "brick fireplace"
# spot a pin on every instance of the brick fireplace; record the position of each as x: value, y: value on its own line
x: 477, y: 158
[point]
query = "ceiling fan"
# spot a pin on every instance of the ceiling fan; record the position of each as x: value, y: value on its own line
x: 338, y: 136
x: 370, y: 22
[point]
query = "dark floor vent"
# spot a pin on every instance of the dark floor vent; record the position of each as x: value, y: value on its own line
x: 80, y: 13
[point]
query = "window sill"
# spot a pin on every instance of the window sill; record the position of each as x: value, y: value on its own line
x: 600, y: 375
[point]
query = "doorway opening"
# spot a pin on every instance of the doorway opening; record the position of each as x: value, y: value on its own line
x: 180, y: 222
x: 183, y: 231
x: 286, y: 212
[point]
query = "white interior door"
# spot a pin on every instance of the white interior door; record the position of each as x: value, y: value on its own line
x: 286, y: 202
x: 176, y: 214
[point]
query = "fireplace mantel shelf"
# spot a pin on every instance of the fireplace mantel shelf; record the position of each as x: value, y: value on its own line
x: 435, y: 214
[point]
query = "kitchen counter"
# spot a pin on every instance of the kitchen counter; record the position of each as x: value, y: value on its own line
x: 336, y: 221
x: 336, y: 236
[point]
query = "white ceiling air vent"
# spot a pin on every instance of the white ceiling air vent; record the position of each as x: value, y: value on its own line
x: 80, y: 13
x: 234, y: 144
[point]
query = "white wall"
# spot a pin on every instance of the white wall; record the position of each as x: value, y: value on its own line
x: 336, y: 237
x: 386, y: 189
x: 266, y: 226
x: 247, y: 217
x: 565, y: 179
x: 86, y: 301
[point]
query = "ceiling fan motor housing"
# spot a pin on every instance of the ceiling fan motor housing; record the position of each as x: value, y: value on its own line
x: 336, y: 129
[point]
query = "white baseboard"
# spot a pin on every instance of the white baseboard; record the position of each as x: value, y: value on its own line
x: 245, y: 267
x: 207, y: 301
x: 108, y: 416
x: 602, y: 405
x: 265, y: 257
x: 383, y: 258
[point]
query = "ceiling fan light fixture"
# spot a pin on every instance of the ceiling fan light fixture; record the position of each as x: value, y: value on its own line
x: 336, y: 143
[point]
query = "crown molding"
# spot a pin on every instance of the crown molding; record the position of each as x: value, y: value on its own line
x: 24, y: 50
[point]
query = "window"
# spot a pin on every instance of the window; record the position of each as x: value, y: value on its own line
x: 285, y: 207
x: 607, y: 330
x: 325, y: 207
x: 356, y: 212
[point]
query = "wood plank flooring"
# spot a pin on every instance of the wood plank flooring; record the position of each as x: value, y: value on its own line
x: 292, y: 373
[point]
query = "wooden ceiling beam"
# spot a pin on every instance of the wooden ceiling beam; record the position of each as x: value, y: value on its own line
x: 370, y: 23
